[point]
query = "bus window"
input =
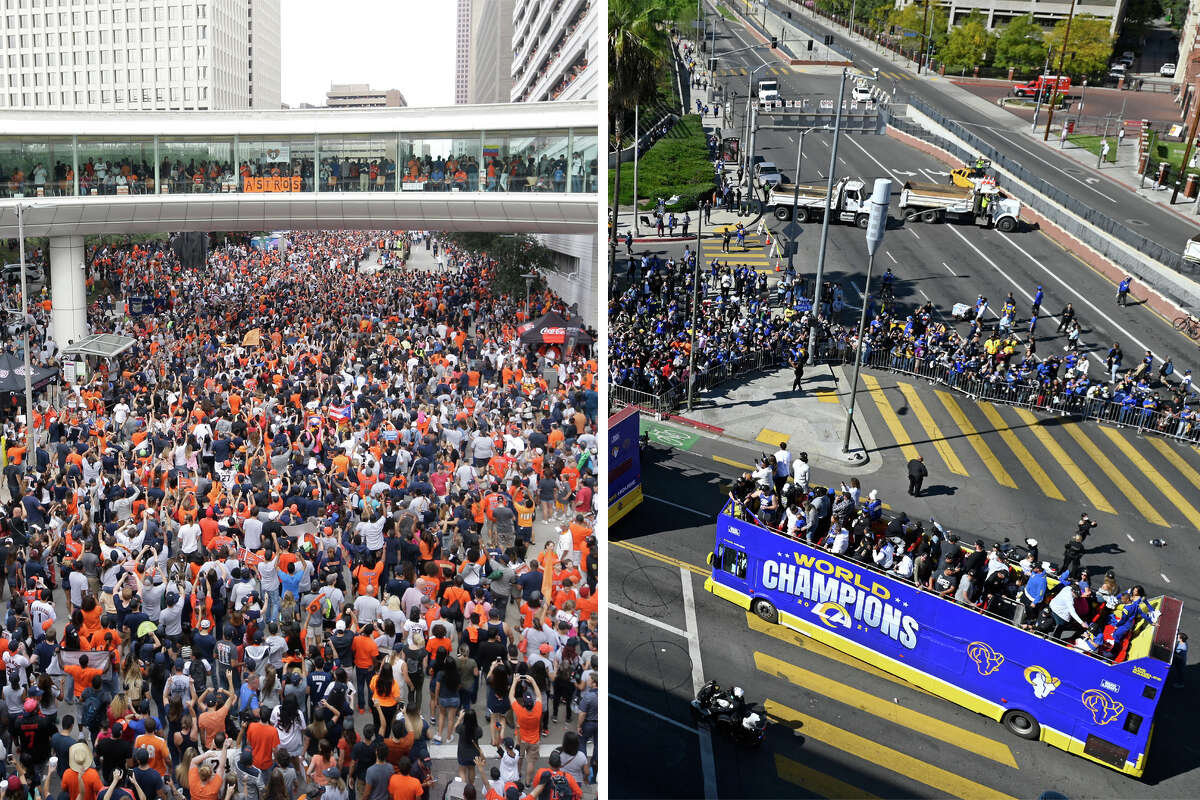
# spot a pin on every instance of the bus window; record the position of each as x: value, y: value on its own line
x: 731, y: 560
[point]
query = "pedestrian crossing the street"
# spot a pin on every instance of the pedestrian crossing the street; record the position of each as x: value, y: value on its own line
x: 757, y: 254
x: 1100, y: 467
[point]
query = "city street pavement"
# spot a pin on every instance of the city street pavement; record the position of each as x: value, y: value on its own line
x: 997, y: 127
x: 840, y: 728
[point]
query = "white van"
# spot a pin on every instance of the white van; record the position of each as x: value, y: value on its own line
x: 768, y: 90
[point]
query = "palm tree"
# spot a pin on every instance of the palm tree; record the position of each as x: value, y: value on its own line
x: 638, y: 47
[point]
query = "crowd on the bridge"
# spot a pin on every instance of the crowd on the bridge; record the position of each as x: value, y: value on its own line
x: 1092, y: 613
x: 747, y: 321
x: 316, y: 522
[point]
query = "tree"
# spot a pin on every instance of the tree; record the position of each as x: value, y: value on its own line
x: 1020, y: 45
x: 969, y: 44
x: 913, y: 17
x: 1089, y: 48
x: 514, y: 254
x: 638, y: 47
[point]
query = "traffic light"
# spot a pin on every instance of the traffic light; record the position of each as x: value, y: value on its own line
x: 774, y: 42
x: 829, y: 40
x: 810, y: 45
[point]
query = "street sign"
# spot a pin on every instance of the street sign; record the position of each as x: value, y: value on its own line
x: 803, y: 304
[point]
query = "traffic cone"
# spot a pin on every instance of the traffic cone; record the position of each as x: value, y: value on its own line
x: 778, y: 268
x: 768, y: 239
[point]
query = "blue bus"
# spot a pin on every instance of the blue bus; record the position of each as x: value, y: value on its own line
x: 624, y: 464
x: 1039, y: 688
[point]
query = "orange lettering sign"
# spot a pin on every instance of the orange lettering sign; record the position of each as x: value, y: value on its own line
x: 272, y: 184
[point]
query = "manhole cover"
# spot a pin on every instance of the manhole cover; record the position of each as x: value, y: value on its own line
x: 1136, y: 221
x: 643, y: 586
x: 660, y: 664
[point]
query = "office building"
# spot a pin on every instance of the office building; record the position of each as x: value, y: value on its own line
x: 131, y: 55
x: 491, y: 51
x: 555, y: 50
x: 462, y: 53
x: 360, y: 95
x: 999, y: 13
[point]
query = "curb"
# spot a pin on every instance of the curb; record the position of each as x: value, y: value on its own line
x: 704, y: 426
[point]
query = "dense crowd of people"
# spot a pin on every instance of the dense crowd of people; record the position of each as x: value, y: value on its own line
x: 316, y: 522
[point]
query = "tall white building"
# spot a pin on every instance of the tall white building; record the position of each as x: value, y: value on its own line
x: 555, y: 50
x: 491, y: 51
x: 136, y: 55
x: 462, y: 52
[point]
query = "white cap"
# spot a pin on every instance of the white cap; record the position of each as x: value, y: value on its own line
x: 341, y: 625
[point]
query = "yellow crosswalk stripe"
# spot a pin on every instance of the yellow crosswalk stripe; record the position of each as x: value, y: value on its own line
x: 889, y: 417
x: 981, y: 447
x: 815, y: 781
x: 892, y: 712
x: 1146, y: 468
x: 916, y: 769
x: 1021, y: 452
x: 1060, y: 457
x: 1119, y: 480
x: 931, y: 429
x: 1184, y: 468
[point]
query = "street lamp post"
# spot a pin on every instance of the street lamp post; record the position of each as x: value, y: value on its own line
x: 1037, y: 106
x: 30, y: 440
x: 529, y: 278
x: 636, y: 148
x: 880, y: 198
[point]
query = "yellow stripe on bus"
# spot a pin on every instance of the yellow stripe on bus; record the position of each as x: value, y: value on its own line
x: 1147, y: 469
x: 916, y: 769
x: 931, y: 429
x: 895, y: 713
x: 1115, y: 475
x: 1094, y: 495
x: 1021, y: 452
x: 981, y: 447
x: 889, y: 417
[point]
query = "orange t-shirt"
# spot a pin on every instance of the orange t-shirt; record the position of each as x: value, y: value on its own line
x: 92, y: 785
x: 82, y: 676
x: 404, y: 787
x: 204, y: 791
x: 159, y: 755
x: 529, y: 723
x: 365, y: 650
x: 263, y: 739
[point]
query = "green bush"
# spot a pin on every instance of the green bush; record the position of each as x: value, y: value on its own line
x: 677, y: 164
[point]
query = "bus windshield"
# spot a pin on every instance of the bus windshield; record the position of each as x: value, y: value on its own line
x: 1095, y: 698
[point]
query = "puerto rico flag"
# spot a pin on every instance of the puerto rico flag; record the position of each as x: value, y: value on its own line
x: 340, y: 413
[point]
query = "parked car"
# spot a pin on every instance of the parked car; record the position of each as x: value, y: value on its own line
x: 1167, y: 70
x: 766, y: 172
x: 861, y: 93
x: 33, y: 273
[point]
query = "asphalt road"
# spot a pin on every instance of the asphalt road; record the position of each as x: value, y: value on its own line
x: 839, y: 727
x: 1106, y: 196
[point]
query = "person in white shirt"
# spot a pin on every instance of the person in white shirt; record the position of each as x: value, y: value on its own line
x: 841, y: 542
x: 800, y: 471
x: 884, y: 554
x: 783, y: 466
x: 1063, y: 609
x: 189, y: 537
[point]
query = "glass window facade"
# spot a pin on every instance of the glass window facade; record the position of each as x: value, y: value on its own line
x: 562, y: 160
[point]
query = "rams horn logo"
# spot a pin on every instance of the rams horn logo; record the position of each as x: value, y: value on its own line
x: 1043, y: 682
x: 985, y: 658
x: 833, y: 615
x: 1104, y: 709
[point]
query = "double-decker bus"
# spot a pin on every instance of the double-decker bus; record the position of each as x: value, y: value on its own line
x: 1038, y: 687
x: 624, y: 464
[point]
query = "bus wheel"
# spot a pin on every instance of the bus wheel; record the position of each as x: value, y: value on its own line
x: 765, y: 611
x: 1021, y: 723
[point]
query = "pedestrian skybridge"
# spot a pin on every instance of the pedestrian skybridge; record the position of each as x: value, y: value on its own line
x: 514, y: 167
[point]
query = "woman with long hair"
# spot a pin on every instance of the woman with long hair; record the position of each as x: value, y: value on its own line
x: 541, y: 676
x: 498, y: 707
x: 445, y: 695
x: 181, y: 770
x: 288, y: 719
x: 385, y: 694
x: 276, y: 787
x: 469, y: 734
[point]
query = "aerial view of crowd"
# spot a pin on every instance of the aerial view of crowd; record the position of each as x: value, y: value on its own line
x: 326, y: 529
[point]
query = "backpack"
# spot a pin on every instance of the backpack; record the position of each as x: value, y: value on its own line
x: 560, y: 787
x: 337, y: 697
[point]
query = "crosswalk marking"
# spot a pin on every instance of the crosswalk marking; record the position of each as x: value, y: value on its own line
x: 919, y: 770
x: 827, y: 396
x: 1119, y: 480
x: 1185, y: 469
x: 817, y: 782
x: 1094, y: 495
x: 931, y: 430
x: 889, y: 416
x: 981, y: 447
x: 772, y: 438
x: 837, y: 691
x: 1147, y: 469
x: 1021, y: 452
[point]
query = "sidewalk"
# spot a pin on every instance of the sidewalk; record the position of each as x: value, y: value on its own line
x: 764, y: 411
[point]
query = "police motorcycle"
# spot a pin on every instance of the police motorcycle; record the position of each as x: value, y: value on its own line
x: 726, y: 711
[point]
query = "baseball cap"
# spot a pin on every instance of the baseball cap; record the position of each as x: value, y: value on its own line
x: 333, y: 773
x: 30, y: 704
x: 544, y: 649
x: 341, y: 625
x: 205, y: 624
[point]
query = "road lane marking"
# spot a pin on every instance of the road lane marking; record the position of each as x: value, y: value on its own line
x: 648, y: 553
x: 768, y: 436
x: 708, y: 764
x: 651, y: 621
x: 932, y: 430
x: 1021, y: 452
x: 892, y: 712
x: 915, y: 769
x: 1060, y: 457
x: 892, y: 257
x: 1164, y: 577
x: 732, y: 463
x: 817, y: 782
x: 889, y: 417
x: 676, y: 505
x: 1115, y: 475
x: 652, y: 713
x: 981, y: 447
x: 1130, y: 538
x: 1146, y: 468
x: 1186, y: 469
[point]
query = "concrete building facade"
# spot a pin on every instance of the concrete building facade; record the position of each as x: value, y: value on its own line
x: 555, y: 50
x: 462, y: 52
x: 491, y: 51
x: 999, y: 13
x: 129, y: 55
x: 361, y: 95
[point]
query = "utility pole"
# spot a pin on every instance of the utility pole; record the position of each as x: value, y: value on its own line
x: 796, y: 195
x: 691, y: 387
x: 829, y: 200
x: 30, y: 436
x: 637, y: 142
x: 880, y: 198
x: 1062, y: 57
x: 924, y: 24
